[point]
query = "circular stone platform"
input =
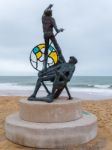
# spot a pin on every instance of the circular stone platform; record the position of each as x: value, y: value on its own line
x: 60, y: 110
x: 51, y: 135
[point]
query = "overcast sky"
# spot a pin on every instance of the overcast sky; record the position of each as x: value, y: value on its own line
x: 87, y: 35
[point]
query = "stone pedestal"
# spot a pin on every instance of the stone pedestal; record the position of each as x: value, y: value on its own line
x: 58, y: 111
x: 55, y: 125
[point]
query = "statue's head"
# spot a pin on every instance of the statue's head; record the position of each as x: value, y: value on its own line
x: 48, y: 13
x: 73, y: 60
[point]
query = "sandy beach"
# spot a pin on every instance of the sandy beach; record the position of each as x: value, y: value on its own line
x: 102, y: 109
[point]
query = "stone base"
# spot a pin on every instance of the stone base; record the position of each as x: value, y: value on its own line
x: 51, y: 135
x: 59, y: 111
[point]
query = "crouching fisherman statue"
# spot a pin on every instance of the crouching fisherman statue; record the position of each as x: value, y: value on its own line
x: 59, y: 75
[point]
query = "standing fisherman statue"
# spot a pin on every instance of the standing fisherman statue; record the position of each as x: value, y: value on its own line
x: 61, y: 72
x: 48, y: 24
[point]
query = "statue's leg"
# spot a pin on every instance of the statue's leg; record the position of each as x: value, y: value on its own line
x: 38, y: 84
x: 69, y: 95
x: 58, y: 92
x: 46, y: 88
x: 51, y: 95
x: 46, y: 52
x: 61, y: 58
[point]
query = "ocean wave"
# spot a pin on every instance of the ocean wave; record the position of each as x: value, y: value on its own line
x: 99, y: 86
x: 81, y: 92
x: 102, y: 86
x: 81, y: 85
x: 14, y: 86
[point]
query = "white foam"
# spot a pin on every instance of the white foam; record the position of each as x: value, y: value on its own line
x: 91, y: 93
x: 14, y: 86
x: 102, y: 86
x: 8, y: 89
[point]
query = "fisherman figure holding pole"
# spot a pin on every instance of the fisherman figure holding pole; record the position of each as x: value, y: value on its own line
x: 48, y: 24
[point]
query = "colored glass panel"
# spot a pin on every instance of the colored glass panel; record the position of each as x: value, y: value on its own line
x: 39, y: 55
x: 54, y: 56
x: 41, y: 46
x: 36, y: 50
x: 51, y: 48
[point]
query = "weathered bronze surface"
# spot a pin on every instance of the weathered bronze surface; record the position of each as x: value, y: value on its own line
x: 59, y: 74
x: 48, y: 24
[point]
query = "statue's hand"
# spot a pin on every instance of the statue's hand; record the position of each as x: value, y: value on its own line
x: 50, y: 6
x: 61, y: 29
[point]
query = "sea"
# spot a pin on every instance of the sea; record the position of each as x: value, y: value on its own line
x: 82, y: 87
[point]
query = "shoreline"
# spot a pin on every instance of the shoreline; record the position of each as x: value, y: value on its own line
x: 85, y: 94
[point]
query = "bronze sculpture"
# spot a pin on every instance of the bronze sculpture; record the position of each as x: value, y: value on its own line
x: 59, y: 75
x: 61, y: 72
x: 48, y: 24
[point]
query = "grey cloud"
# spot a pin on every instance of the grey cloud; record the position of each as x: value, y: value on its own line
x: 88, y: 31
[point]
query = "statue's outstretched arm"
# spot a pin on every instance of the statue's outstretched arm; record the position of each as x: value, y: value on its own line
x: 49, y: 7
x: 55, y: 26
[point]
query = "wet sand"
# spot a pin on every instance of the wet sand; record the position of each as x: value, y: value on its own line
x: 102, y: 109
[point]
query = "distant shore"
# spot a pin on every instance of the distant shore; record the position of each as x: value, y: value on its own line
x: 102, y: 109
